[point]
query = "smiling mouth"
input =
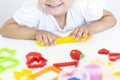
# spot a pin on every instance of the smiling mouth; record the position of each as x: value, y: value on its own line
x: 54, y: 5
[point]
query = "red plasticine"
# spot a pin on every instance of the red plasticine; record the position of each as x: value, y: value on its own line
x: 75, y: 54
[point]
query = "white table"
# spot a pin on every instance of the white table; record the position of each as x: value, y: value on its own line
x: 109, y: 39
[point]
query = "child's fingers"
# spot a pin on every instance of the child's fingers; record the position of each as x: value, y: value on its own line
x: 74, y: 32
x: 84, y: 35
x: 79, y: 34
x: 90, y: 34
x: 45, y: 40
x: 51, y: 39
x: 39, y: 38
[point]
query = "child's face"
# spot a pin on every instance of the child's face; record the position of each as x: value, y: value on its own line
x: 55, y: 7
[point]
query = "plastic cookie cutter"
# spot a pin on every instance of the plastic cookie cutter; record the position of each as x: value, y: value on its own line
x: 25, y: 73
x: 64, y: 64
x: 112, y: 56
x: 45, y: 70
x: 103, y: 51
x: 1, y: 68
x: 9, y: 51
x: 68, y: 39
x: 35, y: 60
x: 4, y: 59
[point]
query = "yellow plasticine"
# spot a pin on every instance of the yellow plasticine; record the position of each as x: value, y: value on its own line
x: 117, y: 74
x: 25, y: 73
x: 68, y: 39
x: 33, y: 76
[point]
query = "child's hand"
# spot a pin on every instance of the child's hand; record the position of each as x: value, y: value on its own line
x: 81, y: 31
x: 46, y: 37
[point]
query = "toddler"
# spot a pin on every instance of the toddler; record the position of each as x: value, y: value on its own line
x: 41, y: 19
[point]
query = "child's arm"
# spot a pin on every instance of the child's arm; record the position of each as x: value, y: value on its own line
x: 13, y: 30
x: 107, y: 21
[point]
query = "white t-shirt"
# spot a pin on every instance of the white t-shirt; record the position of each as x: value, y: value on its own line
x: 81, y: 12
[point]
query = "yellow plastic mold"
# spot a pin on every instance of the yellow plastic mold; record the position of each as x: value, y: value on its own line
x: 45, y: 70
x: 24, y: 73
x: 68, y: 39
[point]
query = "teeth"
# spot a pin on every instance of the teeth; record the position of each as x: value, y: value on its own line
x: 53, y: 4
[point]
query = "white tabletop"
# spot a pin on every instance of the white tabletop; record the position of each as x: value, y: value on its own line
x: 108, y: 39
